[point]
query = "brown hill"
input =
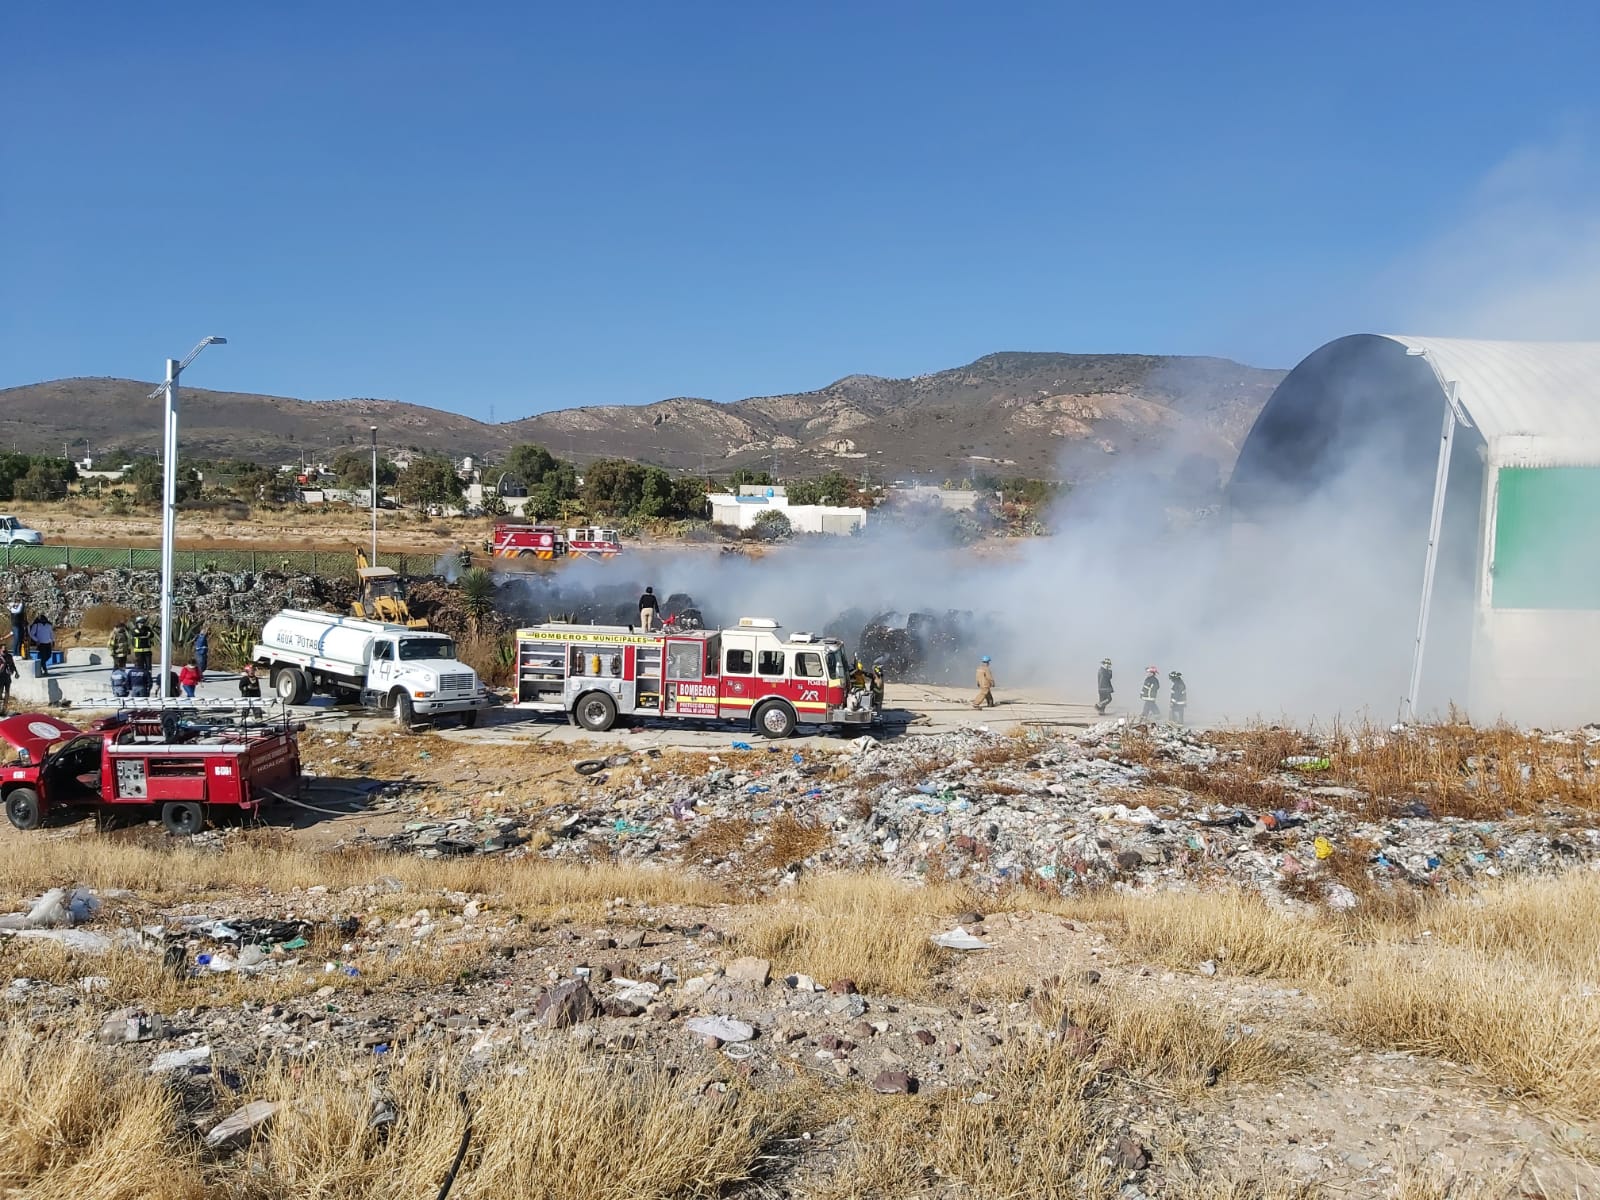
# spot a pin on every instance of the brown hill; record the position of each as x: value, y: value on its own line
x: 1016, y: 413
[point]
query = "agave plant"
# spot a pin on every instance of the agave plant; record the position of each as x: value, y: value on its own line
x: 477, y: 596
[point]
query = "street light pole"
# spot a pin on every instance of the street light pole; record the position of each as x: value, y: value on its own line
x: 169, y: 501
x: 374, y: 561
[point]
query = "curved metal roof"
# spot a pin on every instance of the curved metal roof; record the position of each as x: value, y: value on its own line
x: 1520, y: 389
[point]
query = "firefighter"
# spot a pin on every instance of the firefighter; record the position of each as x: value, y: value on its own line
x: 1150, y: 693
x: 1104, y: 686
x: 8, y: 672
x: 249, y: 682
x: 877, y: 685
x: 464, y: 558
x: 120, y: 646
x: 860, y: 696
x: 647, y: 609
x: 1179, y: 696
x: 985, y: 685
x: 142, y: 641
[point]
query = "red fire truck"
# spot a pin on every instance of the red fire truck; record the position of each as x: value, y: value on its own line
x: 547, y: 542
x: 597, y: 674
x: 182, y: 759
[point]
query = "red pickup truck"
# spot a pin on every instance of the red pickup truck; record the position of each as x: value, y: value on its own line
x: 161, y: 758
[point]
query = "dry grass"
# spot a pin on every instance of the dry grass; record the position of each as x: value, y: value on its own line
x: 1531, y: 1031
x: 1183, y: 1047
x: 1040, y: 1135
x: 529, y: 887
x: 867, y: 928
x: 558, y: 1125
x: 74, y: 1128
x: 1234, y: 929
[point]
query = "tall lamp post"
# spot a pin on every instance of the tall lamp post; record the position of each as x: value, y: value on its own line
x: 374, y: 560
x: 169, y: 501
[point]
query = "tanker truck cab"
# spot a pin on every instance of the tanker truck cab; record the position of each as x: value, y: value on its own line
x: 413, y: 673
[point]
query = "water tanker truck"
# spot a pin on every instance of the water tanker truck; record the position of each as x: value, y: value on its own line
x: 412, y: 673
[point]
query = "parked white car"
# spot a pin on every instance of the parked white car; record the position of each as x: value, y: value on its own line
x: 14, y: 532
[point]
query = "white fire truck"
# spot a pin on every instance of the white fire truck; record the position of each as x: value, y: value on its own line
x: 548, y: 542
x: 597, y: 674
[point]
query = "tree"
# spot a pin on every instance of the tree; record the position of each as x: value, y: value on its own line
x: 42, y: 482
x: 689, y: 497
x: 548, y: 480
x: 745, y: 475
x: 146, y: 478
x: 835, y: 488
x: 772, y: 525
x: 428, y: 481
x: 655, y: 494
x: 354, y: 470
x: 613, y: 487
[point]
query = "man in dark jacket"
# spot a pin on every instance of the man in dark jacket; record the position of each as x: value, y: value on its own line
x: 8, y: 672
x: 647, y: 609
x: 1104, y: 686
x: 19, y: 626
x: 1150, y: 693
x: 1179, y: 697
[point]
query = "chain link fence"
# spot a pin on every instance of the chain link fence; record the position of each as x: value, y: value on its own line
x: 290, y: 562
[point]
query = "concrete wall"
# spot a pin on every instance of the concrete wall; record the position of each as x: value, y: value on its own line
x: 803, y: 518
x: 954, y: 499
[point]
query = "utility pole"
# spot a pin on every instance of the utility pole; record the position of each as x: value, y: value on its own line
x: 374, y: 560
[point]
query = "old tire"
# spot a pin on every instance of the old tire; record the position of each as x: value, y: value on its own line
x: 774, y: 720
x: 183, y: 818
x: 291, y: 686
x: 597, y: 712
x: 405, y: 712
x: 23, y: 809
x: 469, y: 718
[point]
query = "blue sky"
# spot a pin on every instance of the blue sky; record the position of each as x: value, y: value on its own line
x: 528, y: 206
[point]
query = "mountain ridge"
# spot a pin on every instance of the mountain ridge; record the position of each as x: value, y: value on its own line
x: 1014, y: 412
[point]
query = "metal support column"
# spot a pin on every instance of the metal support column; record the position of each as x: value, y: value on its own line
x: 169, y: 512
x: 1441, y: 481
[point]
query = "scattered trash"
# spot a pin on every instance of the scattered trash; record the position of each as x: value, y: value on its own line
x: 1323, y: 847
x: 724, y: 1029
x: 959, y: 939
x: 238, y: 1126
x: 177, y: 1060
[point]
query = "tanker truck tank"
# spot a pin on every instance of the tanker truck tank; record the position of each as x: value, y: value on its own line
x: 410, y: 672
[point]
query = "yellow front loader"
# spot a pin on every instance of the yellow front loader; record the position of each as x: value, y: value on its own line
x: 382, y: 596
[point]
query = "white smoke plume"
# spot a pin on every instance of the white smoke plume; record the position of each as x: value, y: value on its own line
x: 1309, y: 611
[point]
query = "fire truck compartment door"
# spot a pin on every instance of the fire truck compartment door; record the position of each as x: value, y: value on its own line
x: 131, y: 781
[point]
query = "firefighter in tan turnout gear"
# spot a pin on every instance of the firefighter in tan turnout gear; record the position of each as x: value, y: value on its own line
x: 985, y: 685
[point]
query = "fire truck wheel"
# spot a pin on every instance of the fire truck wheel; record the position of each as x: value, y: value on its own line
x: 775, y: 720
x: 597, y: 712
x: 183, y: 818
x: 290, y: 684
x: 22, y: 808
x: 469, y: 718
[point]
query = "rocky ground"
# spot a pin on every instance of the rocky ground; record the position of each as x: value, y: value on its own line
x: 954, y: 964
